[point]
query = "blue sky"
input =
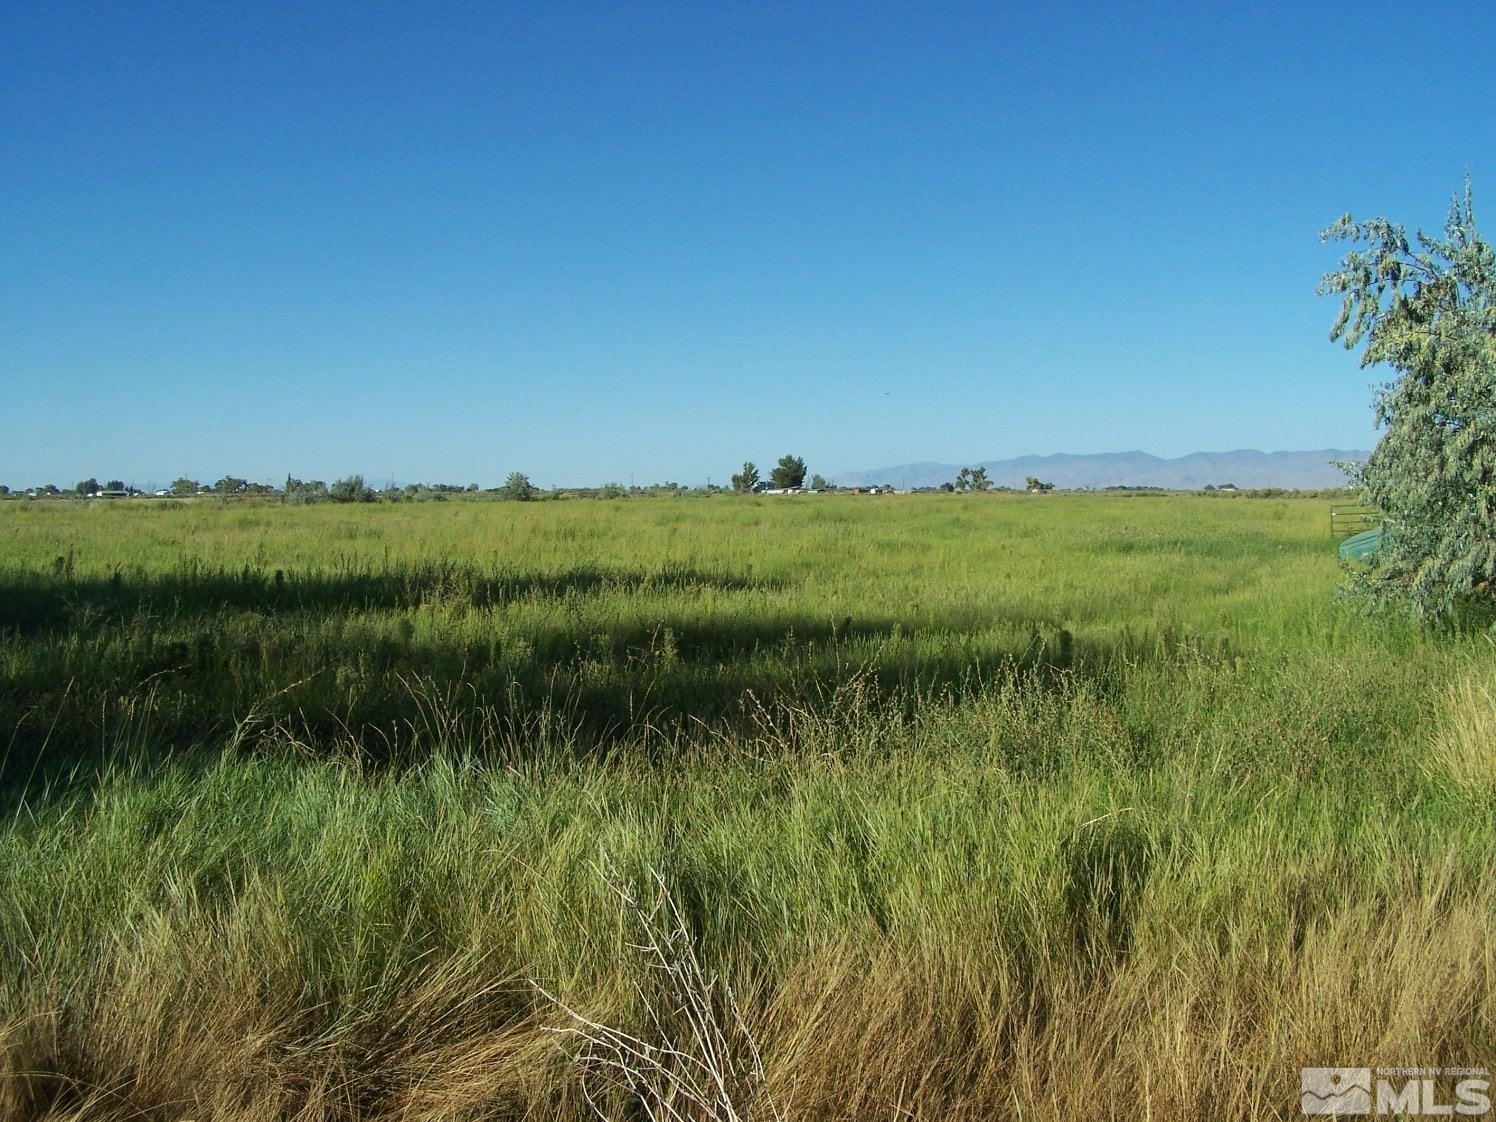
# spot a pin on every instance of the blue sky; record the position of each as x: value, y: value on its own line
x: 648, y: 241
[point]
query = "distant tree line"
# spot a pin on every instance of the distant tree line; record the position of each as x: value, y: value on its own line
x: 349, y: 489
x: 787, y: 475
x: 517, y: 487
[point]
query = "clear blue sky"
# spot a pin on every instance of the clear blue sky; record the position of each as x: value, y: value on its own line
x: 605, y: 241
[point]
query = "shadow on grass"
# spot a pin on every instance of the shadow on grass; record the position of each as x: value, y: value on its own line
x: 107, y: 668
x: 32, y: 602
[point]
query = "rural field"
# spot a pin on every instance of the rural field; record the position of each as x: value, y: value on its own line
x: 966, y: 807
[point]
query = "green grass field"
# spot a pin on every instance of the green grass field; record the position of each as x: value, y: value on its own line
x: 981, y: 807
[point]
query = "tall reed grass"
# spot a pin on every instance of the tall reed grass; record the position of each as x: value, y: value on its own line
x: 980, y: 809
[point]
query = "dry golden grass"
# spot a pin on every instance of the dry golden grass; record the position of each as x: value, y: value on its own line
x: 1173, y: 1025
x: 1465, y: 744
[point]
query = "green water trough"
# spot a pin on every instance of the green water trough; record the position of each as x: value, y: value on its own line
x: 1361, y: 546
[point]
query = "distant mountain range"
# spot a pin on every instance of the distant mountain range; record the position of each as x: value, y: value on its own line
x: 1245, y: 467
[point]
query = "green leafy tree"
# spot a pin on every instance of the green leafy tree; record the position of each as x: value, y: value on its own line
x: 183, y: 486
x: 1426, y: 307
x: 745, y: 480
x: 87, y: 486
x: 788, y: 472
x: 972, y: 479
x: 518, y: 487
x: 351, y: 489
x: 1037, y: 485
x: 305, y: 490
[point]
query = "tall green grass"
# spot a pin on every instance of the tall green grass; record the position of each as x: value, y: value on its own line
x: 986, y: 807
x: 624, y: 615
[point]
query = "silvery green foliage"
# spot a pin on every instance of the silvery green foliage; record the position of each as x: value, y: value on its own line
x: 1427, y: 308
